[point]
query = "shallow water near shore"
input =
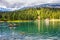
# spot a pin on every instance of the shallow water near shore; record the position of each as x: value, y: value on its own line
x: 30, y: 30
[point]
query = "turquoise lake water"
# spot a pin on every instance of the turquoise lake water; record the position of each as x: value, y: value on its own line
x: 33, y: 30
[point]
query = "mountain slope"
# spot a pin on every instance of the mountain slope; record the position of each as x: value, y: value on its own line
x: 50, y: 5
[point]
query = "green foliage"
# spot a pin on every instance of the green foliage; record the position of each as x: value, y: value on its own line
x: 31, y: 14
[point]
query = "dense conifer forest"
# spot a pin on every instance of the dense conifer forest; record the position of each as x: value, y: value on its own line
x: 31, y: 14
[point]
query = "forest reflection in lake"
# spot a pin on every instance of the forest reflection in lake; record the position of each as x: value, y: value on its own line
x: 32, y: 28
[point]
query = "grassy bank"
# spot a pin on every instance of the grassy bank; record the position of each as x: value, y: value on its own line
x: 30, y: 20
x: 18, y: 21
x: 55, y: 20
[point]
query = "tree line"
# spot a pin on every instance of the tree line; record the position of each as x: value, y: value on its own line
x: 31, y: 14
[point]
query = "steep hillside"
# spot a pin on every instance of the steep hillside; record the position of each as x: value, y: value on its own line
x: 31, y: 14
